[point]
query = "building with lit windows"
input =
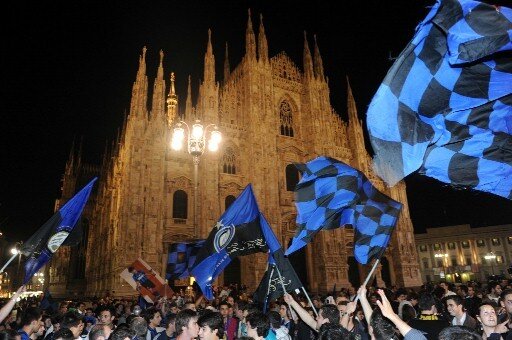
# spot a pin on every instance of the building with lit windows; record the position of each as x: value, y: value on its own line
x: 461, y: 253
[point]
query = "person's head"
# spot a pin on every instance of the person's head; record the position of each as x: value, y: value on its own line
x: 427, y: 302
x: 239, y: 311
x: 186, y: 324
x: 317, y: 302
x: 258, y: 325
x: 173, y: 307
x: 97, y: 332
x: 63, y: 308
x: 170, y: 324
x: 89, y: 312
x: 444, y: 285
x: 506, y: 300
x: 64, y: 334
x: 122, y: 333
x: 401, y: 295
x: 153, y: 317
x: 330, y: 331
x: 283, y: 311
x: 381, y: 327
x: 190, y: 305
x: 455, y: 305
x: 224, y: 309
x: 81, y: 307
x: 463, y: 290
x: 328, y: 313
x: 73, y: 321
x: 274, y: 319
x: 139, y: 326
x: 211, y: 326
x: 458, y: 333
x: 495, y: 289
x: 487, y: 316
x: 230, y: 300
x: 9, y: 334
x: 105, y: 315
x: 31, y: 320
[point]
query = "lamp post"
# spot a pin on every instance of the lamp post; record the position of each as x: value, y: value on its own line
x: 491, y: 257
x: 443, y: 258
x: 195, y: 138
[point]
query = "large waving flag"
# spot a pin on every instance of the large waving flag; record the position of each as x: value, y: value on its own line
x: 271, y: 285
x: 40, y: 247
x: 241, y: 230
x: 445, y: 106
x: 182, y: 257
x: 332, y: 194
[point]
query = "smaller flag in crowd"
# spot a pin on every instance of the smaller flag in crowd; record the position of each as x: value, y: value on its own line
x: 445, y: 106
x: 182, y: 257
x: 271, y: 285
x: 40, y: 247
x: 241, y: 230
x: 332, y: 194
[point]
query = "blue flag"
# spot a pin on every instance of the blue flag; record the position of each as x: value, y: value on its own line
x: 40, y: 247
x: 182, y: 257
x: 332, y: 194
x: 445, y: 106
x: 241, y: 230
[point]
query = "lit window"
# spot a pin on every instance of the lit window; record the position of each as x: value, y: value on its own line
x: 480, y: 243
x: 286, y: 117
x: 495, y: 241
x: 465, y: 244
x: 451, y: 245
x: 423, y: 247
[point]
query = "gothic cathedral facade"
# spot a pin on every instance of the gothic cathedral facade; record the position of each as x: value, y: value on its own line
x: 271, y: 114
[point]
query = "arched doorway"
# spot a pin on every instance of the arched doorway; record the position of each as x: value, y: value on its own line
x: 353, y: 272
x: 233, y: 273
x: 298, y: 260
x: 385, y: 271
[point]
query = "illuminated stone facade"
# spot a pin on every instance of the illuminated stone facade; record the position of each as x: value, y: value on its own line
x: 271, y: 114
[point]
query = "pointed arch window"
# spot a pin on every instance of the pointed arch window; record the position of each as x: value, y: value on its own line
x: 229, y: 161
x: 292, y: 177
x: 286, y: 117
x: 179, y: 204
x: 228, y: 201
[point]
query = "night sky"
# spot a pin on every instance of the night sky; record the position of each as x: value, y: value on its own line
x: 68, y: 68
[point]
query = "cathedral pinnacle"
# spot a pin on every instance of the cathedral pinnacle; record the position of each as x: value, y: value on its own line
x: 140, y: 89
x: 308, y: 63
x: 188, y: 103
x: 158, y: 103
x: 319, y: 66
x: 227, y: 70
x: 172, y: 102
x: 262, y: 42
x: 209, y: 62
x: 351, y: 105
x: 250, y: 40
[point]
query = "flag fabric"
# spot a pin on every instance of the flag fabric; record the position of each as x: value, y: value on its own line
x: 332, y: 194
x: 445, y: 106
x: 40, y: 247
x: 241, y: 230
x: 181, y: 258
x: 48, y: 303
x: 270, y: 287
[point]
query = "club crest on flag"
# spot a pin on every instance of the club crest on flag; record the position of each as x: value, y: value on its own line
x: 223, y: 236
x: 56, y: 240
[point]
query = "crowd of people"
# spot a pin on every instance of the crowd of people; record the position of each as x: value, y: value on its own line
x: 442, y: 311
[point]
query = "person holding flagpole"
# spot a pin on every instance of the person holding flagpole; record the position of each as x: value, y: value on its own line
x: 7, y: 308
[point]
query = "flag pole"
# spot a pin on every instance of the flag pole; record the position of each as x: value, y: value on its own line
x: 370, y: 274
x: 10, y: 260
x: 268, y: 290
x: 284, y: 290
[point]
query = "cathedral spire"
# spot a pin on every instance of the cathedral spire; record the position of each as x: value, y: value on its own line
x: 250, y: 40
x: 226, y: 65
x: 188, y: 103
x: 351, y: 105
x: 307, y: 60
x: 262, y: 42
x: 319, y: 66
x: 138, y: 106
x: 172, y: 102
x: 158, y: 103
x: 209, y: 63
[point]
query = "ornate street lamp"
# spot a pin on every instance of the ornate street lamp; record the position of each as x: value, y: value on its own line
x: 196, y: 139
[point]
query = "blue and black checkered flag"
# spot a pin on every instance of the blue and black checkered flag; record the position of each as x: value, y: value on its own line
x: 445, y: 106
x: 182, y: 257
x: 332, y: 194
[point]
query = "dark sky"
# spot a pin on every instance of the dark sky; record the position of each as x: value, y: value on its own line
x: 68, y: 68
